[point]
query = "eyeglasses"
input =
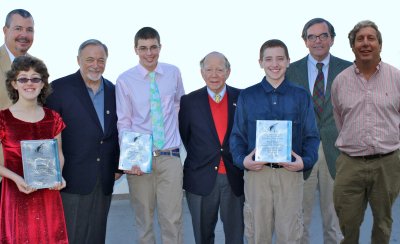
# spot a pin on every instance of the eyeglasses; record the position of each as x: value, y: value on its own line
x: 322, y: 37
x: 33, y: 80
x: 152, y: 49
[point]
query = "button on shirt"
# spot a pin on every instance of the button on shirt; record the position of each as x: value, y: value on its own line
x: 367, y: 112
x: 98, y: 102
x: 264, y: 102
x: 133, y: 101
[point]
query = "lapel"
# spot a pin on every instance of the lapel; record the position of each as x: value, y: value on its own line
x: 108, y: 106
x: 83, y: 96
x: 5, y: 62
x: 205, y: 110
x: 333, y: 70
x: 232, y: 99
x: 303, y: 76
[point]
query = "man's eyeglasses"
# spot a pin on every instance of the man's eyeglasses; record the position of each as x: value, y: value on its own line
x: 25, y: 80
x: 152, y: 49
x: 322, y: 37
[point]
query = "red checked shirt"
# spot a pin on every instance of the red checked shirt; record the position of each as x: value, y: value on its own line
x: 367, y: 112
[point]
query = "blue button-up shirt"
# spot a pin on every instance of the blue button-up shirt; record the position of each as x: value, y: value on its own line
x: 98, y: 102
x: 264, y: 102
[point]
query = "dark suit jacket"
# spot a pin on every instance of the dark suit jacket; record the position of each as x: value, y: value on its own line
x: 203, y: 147
x: 89, y: 152
x: 298, y: 73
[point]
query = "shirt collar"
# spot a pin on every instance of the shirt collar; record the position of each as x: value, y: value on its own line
x: 357, y: 71
x: 101, y: 87
x: 282, y: 88
x: 314, y: 62
x: 144, y: 72
x: 10, y: 55
x: 212, y: 94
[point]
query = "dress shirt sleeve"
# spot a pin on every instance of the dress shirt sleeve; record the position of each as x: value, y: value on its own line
x: 180, y: 91
x: 184, y: 124
x: 124, y: 107
x: 239, y: 139
x: 310, y: 136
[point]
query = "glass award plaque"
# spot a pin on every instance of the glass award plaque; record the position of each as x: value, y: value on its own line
x: 136, y: 149
x: 41, y: 163
x: 273, y: 141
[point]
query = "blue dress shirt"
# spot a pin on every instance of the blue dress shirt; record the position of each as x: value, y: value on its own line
x: 264, y: 102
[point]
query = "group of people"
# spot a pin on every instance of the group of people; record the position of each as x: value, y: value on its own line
x: 345, y: 140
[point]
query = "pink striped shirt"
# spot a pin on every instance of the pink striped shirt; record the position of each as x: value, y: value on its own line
x: 133, y: 101
x: 367, y: 112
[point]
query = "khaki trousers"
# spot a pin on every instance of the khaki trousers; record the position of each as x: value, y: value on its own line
x: 273, y: 203
x: 321, y: 180
x: 359, y: 182
x: 162, y: 189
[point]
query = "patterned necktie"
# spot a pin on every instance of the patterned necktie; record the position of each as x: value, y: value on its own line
x: 217, y: 98
x: 318, y: 92
x: 157, y: 120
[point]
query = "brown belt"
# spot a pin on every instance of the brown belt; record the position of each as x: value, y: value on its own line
x: 373, y: 156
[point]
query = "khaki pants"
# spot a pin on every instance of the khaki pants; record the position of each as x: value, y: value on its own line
x: 162, y: 189
x: 359, y: 182
x: 321, y: 180
x: 273, y: 203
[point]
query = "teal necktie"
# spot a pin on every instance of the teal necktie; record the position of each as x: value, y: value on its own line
x: 157, y: 120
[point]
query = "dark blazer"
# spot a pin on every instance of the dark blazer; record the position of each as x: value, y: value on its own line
x: 89, y: 152
x: 298, y: 73
x: 203, y: 147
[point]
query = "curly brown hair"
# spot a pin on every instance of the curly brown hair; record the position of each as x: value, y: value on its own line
x: 25, y: 63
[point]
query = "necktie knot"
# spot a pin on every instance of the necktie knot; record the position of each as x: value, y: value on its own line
x: 319, y: 66
x: 217, y: 98
x: 152, y: 75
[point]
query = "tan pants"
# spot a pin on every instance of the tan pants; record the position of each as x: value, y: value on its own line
x: 321, y: 180
x: 273, y: 204
x: 162, y: 189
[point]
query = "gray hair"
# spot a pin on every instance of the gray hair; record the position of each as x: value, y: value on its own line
x: 92, y: 42
x: 22, y: 12
x: 227, y: 64
x: 359, y: 26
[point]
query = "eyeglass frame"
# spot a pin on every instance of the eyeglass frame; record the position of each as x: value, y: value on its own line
x: 152, y: 49
x: 24, y: 80
x: 322, y: 37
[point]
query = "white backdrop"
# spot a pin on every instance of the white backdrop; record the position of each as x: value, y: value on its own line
x: 191, y: 29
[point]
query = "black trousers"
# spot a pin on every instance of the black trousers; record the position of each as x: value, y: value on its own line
x: 86, y: 216
x: 204, y: 211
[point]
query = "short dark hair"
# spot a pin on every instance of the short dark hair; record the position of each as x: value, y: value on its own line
x: 359, y: 26
x: 147, y: 33
x: 22, y: 12
x: 317, y: 21
x: 93, y: 42
x: 227, y: 64
x: 273, y: 43
x: 25, y: 63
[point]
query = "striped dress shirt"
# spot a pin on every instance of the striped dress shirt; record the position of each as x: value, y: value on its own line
x: 367, y: 112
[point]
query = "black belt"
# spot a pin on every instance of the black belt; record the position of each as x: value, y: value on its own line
x: 273, y: 166
x: 373, y: 156
x: 173, y: 152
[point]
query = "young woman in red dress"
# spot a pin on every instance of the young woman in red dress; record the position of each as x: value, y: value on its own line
x: 29, y: 215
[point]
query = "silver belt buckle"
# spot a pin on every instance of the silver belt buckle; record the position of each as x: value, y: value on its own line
x: 156, y: 153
